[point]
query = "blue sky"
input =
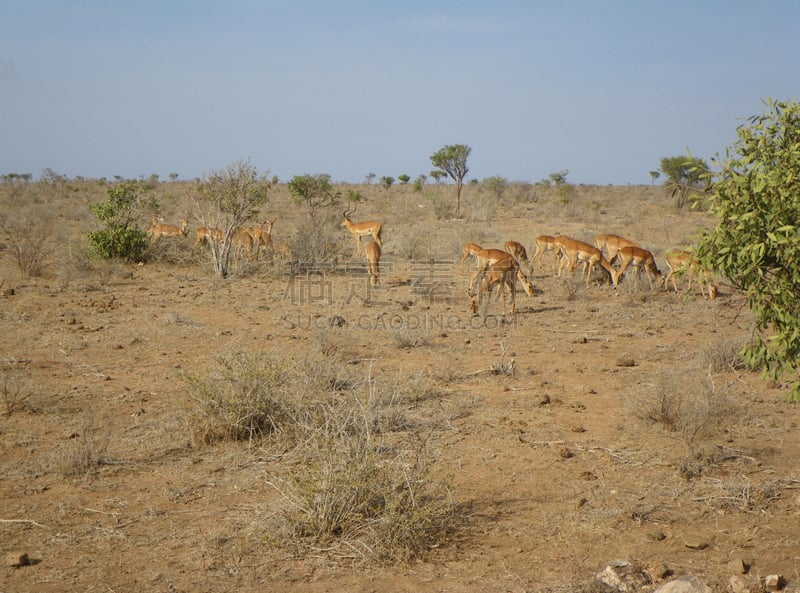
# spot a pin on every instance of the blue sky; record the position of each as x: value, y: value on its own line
x: 350, y: 87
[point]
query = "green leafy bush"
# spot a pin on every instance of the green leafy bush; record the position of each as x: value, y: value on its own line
x: 121, y: 236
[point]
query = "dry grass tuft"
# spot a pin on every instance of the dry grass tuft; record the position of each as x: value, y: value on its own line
x: 357, y: 479
x: 86, y: 452
x: 689, y: 404
x: 30, y: 238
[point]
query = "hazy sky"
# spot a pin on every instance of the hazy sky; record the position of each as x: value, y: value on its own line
x: 604, y: 89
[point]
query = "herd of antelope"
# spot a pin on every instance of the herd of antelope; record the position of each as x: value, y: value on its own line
x: 495, y: 267
x: 251, y: 240
x: 503, y: 266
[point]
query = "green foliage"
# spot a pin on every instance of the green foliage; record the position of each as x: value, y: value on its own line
x: 313, y: 191
x: 353, y: 196
x: 452, y: 159
x: 496, y: 185
x: 438, y: 175
x: 404, y: 179
x: 683, y: 169
x: 686, y: 177
x: 559, y: 177
x: 387, y: 182
x: 756, y: 244
x: 654, y: 175
x: 121, y: 236
x: 10, y: 178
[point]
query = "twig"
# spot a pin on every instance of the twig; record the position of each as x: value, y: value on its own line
x: 21, y: 521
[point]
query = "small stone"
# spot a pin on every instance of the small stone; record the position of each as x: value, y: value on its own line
x: 565, y: 453
x: 684, y: 584
x: 626, y: 362
x: 738, y: 566
x: 17, y: 559
x: 694, y: 541
x: 656, y: 536
x: 774, y: 582
x: 659, y: 571
x: 543, y: 400
x: 738, y: 584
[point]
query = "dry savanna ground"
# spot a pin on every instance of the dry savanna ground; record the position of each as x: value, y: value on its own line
x: 531, y: 450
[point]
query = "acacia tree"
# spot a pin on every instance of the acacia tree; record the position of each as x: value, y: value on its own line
x: 318, y: 195
x: 756, y: 243
x: 685, y: 175
x: 235, y: 193
x: 313, y: 191
x: 452, y: 159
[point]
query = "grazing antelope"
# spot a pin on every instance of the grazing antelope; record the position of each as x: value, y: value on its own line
x: 573, y: 251
x: 484, y: 257
x: 678, y: 261
x: 504, y: 271
x: 467, y: 250
x: 545, y: 243
x: 373, y: 252
x: 243, y: 241
x: 517, y: 251
x: 208, y: 235
x: 157, y: 230
x: 262, y: 234
x: 612, y: 244
x: 640, y: 259
x: 359, y: 229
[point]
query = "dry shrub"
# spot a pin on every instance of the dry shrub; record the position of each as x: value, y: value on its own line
x: 74, y: 262
x: 688, y: 403
x: 86, y: 452
x: 359, y: 490
x: 171, y: 250
x: 410, y: 337
x: 480, y: 206
x: 413, y: 245
x: 242, y: 398
x: 356, y: 479
x: 740, y: 493
x: 724, y: 355
x: 14, y: 390
x: 30, y: 239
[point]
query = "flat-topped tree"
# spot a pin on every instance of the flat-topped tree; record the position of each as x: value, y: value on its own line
x: 452, y: 159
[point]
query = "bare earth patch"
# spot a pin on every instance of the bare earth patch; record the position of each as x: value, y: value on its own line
x: 593, y: 426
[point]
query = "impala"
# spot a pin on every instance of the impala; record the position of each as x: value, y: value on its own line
x: 156, y: 230
x: 679, y: 260
x: 574, y: 251
x: 262, y: 234
x: 640, y: 259
x: 469, y: 249
x: 373, y: 252
x: 517, y: 251
x: 208, y: 234
x: 545, y: 243
x: 243, y: 240
x: 612, y: 244
x: 503, y: 272
x: 485, y: 258
x: 360, y: 229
